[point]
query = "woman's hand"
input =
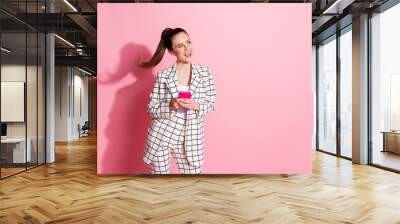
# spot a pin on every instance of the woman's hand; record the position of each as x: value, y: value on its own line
x: 174, y: 104
x: 189, y: 104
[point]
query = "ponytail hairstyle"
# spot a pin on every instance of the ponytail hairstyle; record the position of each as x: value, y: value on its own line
x: 165, y: 43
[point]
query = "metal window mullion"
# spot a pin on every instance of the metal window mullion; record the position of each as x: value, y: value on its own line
x: 37, y: 91
x: 317, y: 97
x: 369, y: 90
x: 73, y: 92
x: 45, y: 94
x: 338, y: 94
x: 26, y: 87
x: 69, y: 92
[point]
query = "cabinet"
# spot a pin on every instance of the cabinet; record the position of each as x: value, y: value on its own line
x: 13, y: 150
x: 391, y: 142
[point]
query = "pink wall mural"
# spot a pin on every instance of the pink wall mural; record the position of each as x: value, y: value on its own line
x: 260, y: 57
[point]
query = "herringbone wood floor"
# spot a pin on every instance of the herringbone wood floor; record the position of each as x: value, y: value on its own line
x: 70, y: 191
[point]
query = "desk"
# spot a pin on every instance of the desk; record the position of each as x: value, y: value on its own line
x: 13, y: 150
x: 391, y: 141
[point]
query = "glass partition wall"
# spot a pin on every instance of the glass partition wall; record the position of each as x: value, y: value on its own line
x: 22, y: 88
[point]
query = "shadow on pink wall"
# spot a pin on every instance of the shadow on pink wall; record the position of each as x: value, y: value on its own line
x: 127, y: 121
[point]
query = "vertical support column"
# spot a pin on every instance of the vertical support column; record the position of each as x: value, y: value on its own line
x: 50, y: 92
x: 360, y: 90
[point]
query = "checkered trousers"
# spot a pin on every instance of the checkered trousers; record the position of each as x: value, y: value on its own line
x: 175, y: 146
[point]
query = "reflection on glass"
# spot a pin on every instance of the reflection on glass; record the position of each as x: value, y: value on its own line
x: 327, y: 96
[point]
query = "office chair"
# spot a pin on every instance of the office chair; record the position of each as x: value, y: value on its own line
x: 84, y: 130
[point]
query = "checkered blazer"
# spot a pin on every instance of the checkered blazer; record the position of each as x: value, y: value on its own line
x: 165, y: 88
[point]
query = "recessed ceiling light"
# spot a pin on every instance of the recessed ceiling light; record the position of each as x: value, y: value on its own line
x: 70, y: 5
x: 84, y: 71
x: 64, y: 40
x: 338, y: 6
x: 5, y: 49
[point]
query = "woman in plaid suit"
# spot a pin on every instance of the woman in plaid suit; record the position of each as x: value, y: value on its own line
x: 177, y: 123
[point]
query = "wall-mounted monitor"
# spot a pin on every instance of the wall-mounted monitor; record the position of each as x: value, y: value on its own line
x: 3, y: 129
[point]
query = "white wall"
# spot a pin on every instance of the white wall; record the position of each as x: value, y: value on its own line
x: 71, y: 93
x: 79, y: 117
x: 61, y: 103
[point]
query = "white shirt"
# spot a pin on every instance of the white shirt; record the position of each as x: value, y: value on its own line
x: 181, y: 112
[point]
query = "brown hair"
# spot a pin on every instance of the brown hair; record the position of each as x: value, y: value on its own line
x: 165, y: 43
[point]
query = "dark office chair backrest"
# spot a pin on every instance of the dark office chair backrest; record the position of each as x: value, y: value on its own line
x: 86, y: 125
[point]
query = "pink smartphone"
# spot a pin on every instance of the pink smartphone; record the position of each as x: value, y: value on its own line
x: 184, y: 95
